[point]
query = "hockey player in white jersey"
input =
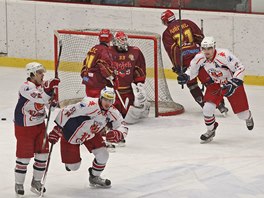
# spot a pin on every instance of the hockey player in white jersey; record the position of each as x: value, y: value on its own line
x: 226, y: 79
x: 82, y: 123
x: 30, y: 128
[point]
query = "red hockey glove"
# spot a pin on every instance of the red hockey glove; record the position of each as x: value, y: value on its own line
x: 114, y: 136
x: 116, y: 83
x: 84, y: 71
x: 49, y: 85
x: 55, y: 135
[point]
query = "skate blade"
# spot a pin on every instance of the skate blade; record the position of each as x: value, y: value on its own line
x: 99, y: 186
x: 206, y: 141
x: 34, y: 190
x: 19, y: 196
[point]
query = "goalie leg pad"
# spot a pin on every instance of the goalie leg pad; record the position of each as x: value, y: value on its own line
x: 134, y: 114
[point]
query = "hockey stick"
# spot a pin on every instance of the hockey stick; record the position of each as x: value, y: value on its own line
x: 180, y: 21
x: 121, y: 100
x: 202, y: 32
x: 43, y: 180
x: 52, y: 96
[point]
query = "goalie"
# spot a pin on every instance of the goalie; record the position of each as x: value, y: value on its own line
x: 129, y: 64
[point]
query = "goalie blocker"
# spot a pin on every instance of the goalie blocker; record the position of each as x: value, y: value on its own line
x: 140, y: 107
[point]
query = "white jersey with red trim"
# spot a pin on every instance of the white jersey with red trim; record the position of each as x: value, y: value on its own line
x: 77, y: 119
x: 222, y: 68
x: 30, y: 108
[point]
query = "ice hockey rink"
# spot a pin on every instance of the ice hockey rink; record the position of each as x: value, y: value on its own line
x: 163, y: 156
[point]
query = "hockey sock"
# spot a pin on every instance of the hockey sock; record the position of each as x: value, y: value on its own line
x: 209, y: 122
x: 21, y: 170
x: 39, y: 166
x: 97, y: 168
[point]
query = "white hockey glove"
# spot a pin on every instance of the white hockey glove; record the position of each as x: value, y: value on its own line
x: 139, y: 94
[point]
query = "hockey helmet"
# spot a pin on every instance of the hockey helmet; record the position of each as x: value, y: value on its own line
x: 33, y: 67
x: 105, y: 36
x: 108, y: 93
x: 208, y: 42
x: 120, y: 41
x: 167, y: 16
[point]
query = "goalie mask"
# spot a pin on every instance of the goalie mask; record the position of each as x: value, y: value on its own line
x: 105, y: 36
x: 120, y: 41
x: 167, y: 16
x: 107, y: 97
x: 32, y: 68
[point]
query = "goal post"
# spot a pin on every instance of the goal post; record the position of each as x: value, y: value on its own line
x: 76, y: 44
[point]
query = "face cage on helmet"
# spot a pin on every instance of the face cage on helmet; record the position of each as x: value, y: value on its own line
x: 121, y: 44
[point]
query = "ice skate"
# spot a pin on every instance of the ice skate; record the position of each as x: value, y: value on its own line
x: 250, y: 122
x: 209, y: 135
x: 223, y: 109
x: 36, y: 187
x: 122, y: 143
x: 110, y: 147
x: 98, y: 182
x: 19, y: 188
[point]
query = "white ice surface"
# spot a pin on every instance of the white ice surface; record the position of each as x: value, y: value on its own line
x: 163, y: 156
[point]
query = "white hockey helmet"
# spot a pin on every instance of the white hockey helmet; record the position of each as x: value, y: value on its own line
x: 208, y: 41
x: 33, y: 67
x: 108, y: 93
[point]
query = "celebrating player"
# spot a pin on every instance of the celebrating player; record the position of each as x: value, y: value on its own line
x: 226, y: 79
x: 129, y: 63
x: 96, y: 72
x: 30, y: 128
x: 191, y: 40
x: 83, y: 123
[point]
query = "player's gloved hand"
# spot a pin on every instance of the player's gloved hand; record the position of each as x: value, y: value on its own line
x: 49, y: 85
x: 231, y: 85
x: 95, y: 128
x: 116, y: 83
x: 55, y: 135
x: 178, y: 70
x: 183, y: 79
x: 140, y: 95
x: 114, y: 136
x: 84, y: 75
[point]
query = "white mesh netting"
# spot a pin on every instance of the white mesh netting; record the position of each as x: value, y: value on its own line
x: 76, y: 44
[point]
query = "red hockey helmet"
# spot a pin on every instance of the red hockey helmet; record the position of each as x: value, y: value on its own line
x: 120, y: 41
x: 167, y: 16
x: 105, y: 36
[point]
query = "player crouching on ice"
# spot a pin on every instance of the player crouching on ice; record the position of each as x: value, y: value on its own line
x: 29, y: 121
x: 82, y: 123
x: 226, y: 79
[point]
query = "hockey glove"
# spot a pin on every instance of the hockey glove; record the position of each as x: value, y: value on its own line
x: 55, y: 135
x: 230, y: 87
x: 183, y: 79
x: 84, y: 75
x: 139, y: 94
x: 49, y: 85
x: 178, y: 70
x: 114, y: 136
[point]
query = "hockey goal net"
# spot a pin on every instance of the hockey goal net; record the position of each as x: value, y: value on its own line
x: 75, y: 45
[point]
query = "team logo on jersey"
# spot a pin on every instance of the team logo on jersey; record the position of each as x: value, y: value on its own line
x: 131, y: 57
x: 91, y: 103
x: 222, y: 54
x: 38, y: 106
x: 214, y: 73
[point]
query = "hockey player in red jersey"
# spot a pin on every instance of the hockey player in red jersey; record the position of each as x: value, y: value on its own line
x: 30, y: 128
x: 191, y: 41
x: 226, y: 79
x: 97, y: 72
x: 82, y: 124
x: 130, y: 66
